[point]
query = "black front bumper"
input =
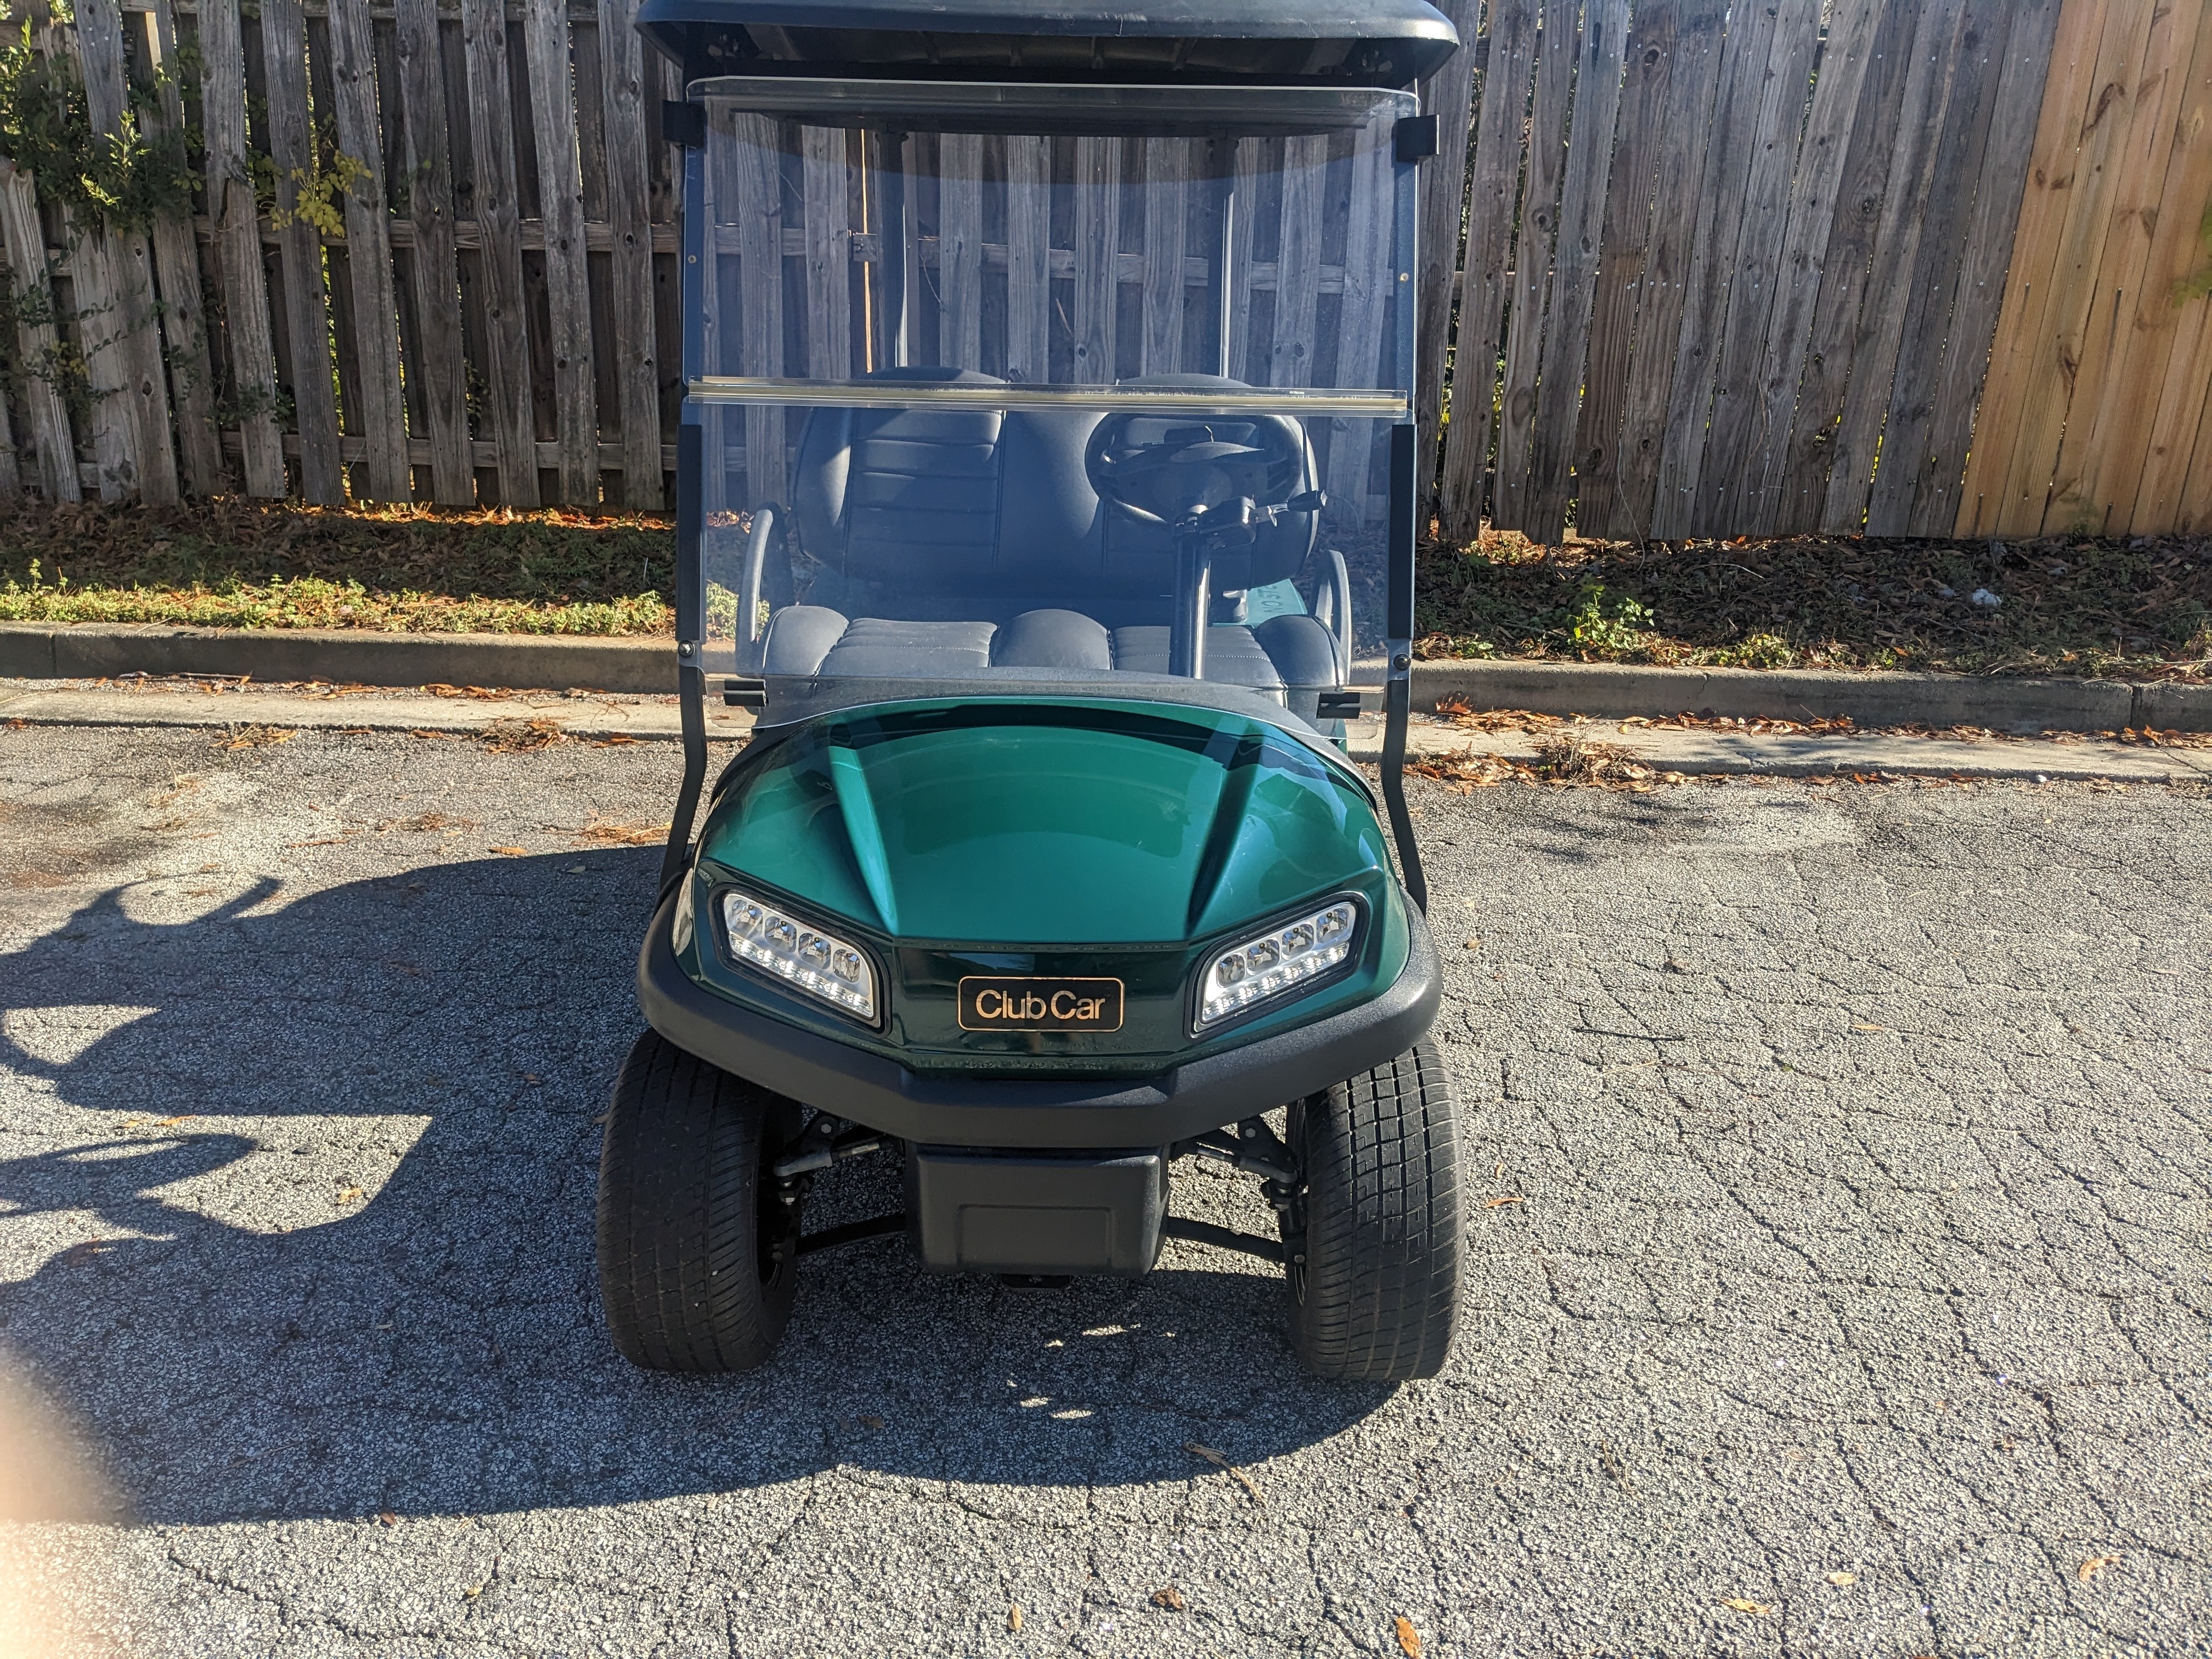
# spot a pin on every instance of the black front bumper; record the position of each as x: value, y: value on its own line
x: 996, y: 1112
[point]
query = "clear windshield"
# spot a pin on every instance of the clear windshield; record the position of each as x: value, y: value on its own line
x: 1076, y: 385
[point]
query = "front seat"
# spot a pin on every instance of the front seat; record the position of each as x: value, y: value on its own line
x: 967, y: 543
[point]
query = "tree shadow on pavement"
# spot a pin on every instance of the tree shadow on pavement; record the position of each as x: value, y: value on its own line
x: 405, y: 1073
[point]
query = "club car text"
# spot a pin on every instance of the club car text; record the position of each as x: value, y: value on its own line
x: 1039, y: 1004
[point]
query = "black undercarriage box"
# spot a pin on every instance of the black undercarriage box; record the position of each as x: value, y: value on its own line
x: 1095, y: 1212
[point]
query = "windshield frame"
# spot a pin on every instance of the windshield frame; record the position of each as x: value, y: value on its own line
x: 1038, y: 108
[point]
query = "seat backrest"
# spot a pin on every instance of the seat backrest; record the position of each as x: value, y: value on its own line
x: 978, y: 511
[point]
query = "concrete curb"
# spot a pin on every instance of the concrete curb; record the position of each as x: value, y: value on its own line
x: 1600, y: 690
x: 1612, y: 691
x: 98, y: 651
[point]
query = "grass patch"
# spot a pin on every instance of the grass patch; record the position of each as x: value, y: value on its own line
x: 237, y: 563
x: 2067, y: 606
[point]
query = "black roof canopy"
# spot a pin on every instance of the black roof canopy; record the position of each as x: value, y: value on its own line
x: 1386, y: 43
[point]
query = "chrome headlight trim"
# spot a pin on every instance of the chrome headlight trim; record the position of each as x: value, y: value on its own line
x: 1300, y: 951
x: 777, y: 942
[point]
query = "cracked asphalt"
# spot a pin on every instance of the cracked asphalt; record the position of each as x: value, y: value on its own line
x: 1839, y: 1279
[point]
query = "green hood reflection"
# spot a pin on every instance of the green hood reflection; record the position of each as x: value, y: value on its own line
x: 1046, y: 823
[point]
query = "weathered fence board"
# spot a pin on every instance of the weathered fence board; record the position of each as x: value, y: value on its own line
x: 1687, y: 268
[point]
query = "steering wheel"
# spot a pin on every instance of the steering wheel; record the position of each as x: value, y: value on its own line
x: 1163, y: 470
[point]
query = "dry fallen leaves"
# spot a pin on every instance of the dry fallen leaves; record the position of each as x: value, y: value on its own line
x: 1493, y: 1204
x: 1409, y: 1639
x: 1170, y: 1597
x: 623, y: 835
x: 1222, y: 1462
x: 349, y: 1195
x: 254, y: 737
x: 1014, y: 1618
x: 2095, y: 1565
x: 1842, y: 1578
x: 388, y: 1518
x: 522, y: 737
x: 512, y: 852
x: 1745, y: 1604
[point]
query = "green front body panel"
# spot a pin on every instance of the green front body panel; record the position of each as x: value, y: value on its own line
x: 1081, y: 837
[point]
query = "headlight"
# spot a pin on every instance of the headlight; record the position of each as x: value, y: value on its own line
x: 799, y: 953
x: 1276, y: 961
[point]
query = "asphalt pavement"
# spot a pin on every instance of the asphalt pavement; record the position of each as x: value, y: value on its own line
x: 1838, y: 1282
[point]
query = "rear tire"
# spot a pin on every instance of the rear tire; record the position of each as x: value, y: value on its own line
x: 697, y: 1269
x: 1376, y: 1222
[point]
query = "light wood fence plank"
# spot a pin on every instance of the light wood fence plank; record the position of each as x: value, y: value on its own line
x: 307, y: 309
x: 1029, y: 274
x: 636, y: 355
x: 1662, y: 286
x: 1990, y: 242
x: 1845, y: 274
x: 380, y: 413
x: 568, y: 279
x: 248, y: 348
x: 1847, y: 58
x: 440, y: 369
x: 2055, y: 332
x: 37, y: 343
x: 1723, y: 492
x: 1529, y: 298
x: 2178, y: 317
x: 1493, y: 190
x: 1747, y: 55
x: 2120, y: 355
x: 2045, y: 201
x: 177, y: 269
x: 1559, y: 382
x: 510, y: 407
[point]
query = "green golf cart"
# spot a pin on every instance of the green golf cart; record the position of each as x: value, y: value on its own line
x: 1046, y: 483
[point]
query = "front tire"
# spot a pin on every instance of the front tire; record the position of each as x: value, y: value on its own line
x: 697, y: 1269
x: 1373, y: 1240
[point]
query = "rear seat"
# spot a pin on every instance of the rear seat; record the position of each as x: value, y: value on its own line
x: 982, y: 528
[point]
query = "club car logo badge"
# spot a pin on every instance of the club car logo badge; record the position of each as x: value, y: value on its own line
x: 1039, y: 1004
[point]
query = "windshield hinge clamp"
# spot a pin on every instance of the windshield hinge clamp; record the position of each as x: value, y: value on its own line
x: 683, y: 122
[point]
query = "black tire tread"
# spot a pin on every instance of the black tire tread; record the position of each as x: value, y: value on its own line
x: 679, y: 1174
x: 1384, y: 1227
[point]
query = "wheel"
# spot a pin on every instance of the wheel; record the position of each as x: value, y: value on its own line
x: 696, y: 1270
x: 1372, y: 1239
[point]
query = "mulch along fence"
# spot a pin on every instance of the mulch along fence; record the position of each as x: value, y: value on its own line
x: 1899, y: 267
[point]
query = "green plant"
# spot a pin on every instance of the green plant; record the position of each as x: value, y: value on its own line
x: 46, y: 128
x: 2198, y: 283
x: 1606, y: 629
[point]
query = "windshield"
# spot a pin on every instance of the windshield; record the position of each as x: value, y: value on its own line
x: 999, y: 386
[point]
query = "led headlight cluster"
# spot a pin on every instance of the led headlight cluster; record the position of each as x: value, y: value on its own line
x: 785, y: 948
x: 1282, y: 957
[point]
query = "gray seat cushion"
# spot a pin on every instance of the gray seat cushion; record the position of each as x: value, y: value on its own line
x: 806, y: 640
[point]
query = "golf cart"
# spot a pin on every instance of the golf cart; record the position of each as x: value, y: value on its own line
x: 1046, y: 481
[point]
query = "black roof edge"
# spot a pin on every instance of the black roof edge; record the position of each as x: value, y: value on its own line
x: 1362, y: 42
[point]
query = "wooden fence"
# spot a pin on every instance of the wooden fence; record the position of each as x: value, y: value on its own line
x: 1743, y: 270
x: 1898, y: 267
x: 487, y: 312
